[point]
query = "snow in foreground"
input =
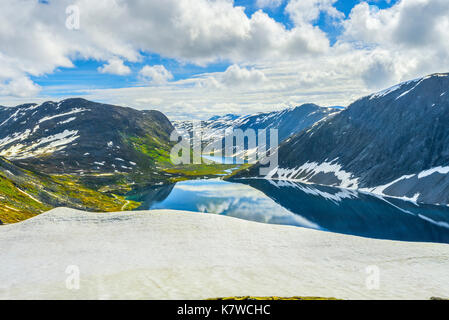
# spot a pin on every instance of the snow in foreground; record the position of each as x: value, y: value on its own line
x: 178, y: 255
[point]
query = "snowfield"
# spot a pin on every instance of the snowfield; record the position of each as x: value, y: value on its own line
x: 183, y: 255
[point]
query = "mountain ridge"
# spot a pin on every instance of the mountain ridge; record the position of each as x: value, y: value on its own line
x: 76, y: 135
x: 287, y: 122
x: 394, y: 142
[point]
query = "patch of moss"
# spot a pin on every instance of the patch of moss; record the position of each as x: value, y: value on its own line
x: 151, y: 149
x: 201, y: 169
x: 27, y: 194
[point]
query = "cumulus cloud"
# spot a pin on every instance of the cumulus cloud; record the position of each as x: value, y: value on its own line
x: 271, y: 65
x: 407, y: 40
x: 268, y: 3
x: 155, y: 74
x: 35, y: 41
x: 115, y: 66
x: 412, y: 23
x: 21, y: 87
x: 234, y: 76
x: 307, y: 11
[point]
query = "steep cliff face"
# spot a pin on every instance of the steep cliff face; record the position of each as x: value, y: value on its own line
x: 394, y: 142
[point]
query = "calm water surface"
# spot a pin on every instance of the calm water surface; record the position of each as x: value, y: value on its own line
x: 317, y: 207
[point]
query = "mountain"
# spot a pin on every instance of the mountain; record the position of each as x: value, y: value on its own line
x: 24, y: 194
x: 288, y: 122
x: 394, y: 143
x: 77, y: 136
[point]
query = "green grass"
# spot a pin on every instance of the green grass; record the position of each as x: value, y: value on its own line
x: 26, y: 194
x: 150, y: 150
x: 195, y: 171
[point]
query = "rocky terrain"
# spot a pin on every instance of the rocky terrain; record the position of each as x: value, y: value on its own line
x: 395, y: 143
x: 80, y: 136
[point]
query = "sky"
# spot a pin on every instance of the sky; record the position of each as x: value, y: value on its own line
x: 192, y: 59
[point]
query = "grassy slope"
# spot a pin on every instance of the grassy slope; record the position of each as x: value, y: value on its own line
x: 24, y: 194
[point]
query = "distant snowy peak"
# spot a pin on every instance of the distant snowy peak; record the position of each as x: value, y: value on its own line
x: 402, y: 89
x: 288, y: 121
x: 228, y: 116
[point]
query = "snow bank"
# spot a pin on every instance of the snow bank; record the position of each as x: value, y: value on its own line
x: 178, y: 255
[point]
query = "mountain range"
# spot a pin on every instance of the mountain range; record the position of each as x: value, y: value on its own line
x: 88, y: 155
x: 393, y: 143
x: 287, y: 122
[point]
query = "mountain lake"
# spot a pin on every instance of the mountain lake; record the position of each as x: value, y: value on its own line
x: 302, y: 205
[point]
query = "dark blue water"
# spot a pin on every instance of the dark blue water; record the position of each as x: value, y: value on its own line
x: 324, y: 208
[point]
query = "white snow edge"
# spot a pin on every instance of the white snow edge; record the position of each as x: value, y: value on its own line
x: 179, y: 255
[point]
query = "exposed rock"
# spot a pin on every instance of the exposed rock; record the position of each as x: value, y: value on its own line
x: 76, y: 135
x: 395, y: 142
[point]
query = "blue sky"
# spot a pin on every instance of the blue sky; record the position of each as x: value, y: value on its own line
x: 199, y: 58
x: 85, y: 75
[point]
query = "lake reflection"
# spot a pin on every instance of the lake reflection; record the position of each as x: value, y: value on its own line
x: 220, y: 197
x: 317, y: 207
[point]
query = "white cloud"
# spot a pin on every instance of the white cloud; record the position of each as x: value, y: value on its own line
x: 155, y: 74
x: 115, y: 66
x: 268, y: 3
x: 271, y: 66
x: 307, y: 11
x: 410, y: 24
x: 234, y: 76
x: 407, y: 40
x: 21, y: 87
x: 35, y: 40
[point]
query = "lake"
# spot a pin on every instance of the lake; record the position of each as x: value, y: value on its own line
x: 309, y: 206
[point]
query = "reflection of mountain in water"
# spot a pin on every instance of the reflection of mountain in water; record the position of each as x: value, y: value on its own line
x: 319, y: 207
x: 151, y: 196
x: 361, y: 214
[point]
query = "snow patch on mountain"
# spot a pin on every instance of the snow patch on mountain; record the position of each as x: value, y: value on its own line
x: 76, y: 110
x: 15, y: 137
x: 42, y: 146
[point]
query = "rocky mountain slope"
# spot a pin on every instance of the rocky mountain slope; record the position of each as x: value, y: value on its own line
x: 81, y: 154
x: 76, y: 136
x: 395, y: 143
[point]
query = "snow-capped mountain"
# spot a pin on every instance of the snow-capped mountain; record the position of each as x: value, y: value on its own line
x: 287, y: 121
x: 76, y: 135
x: 394, y: 142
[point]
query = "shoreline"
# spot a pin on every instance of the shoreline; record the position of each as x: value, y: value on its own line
x: 166, y: 254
